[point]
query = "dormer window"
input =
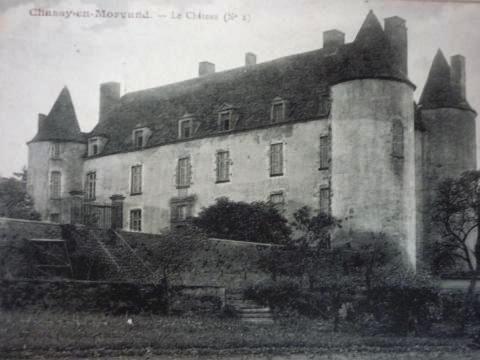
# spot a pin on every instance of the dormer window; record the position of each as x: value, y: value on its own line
x: 93, y: 146
x: 227, y: 117
x: 187, y: 126
x: 277, y: 113
x: 138, y: 138
x: 225, y: 120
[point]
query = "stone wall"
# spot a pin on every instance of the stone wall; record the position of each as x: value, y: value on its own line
x: 218, y: 263
x: 13, y: 237
x: 225, y: 263
x: 449, y: 148
x: 41, y: 164
x: 373, y: 190
x: 249, y: 172
x: 17, y: 229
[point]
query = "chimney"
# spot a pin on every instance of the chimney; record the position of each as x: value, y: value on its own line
x: 332, y: 40
x: 205, y: 68
x: 250, y: 59
x: 396, y: 32
x: 109, y: 97
x: 458, y: 75
x: 41, y: 121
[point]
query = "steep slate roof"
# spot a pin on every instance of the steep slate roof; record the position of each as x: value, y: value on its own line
x: 301, y: 80
x: 61, y: 123
x: 439, y: 91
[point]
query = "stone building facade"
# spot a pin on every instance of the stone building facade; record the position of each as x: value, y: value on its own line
x: 336, y: 129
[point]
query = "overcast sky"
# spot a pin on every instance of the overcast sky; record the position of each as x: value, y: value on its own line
x: 39, y: 55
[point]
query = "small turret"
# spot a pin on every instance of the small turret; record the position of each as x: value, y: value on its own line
x: 55, y: 159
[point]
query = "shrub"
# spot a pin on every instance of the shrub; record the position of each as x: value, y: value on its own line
x: 113, y: 298
x: 407, y: 305
x: 257, y: 221
x: 287, y: 297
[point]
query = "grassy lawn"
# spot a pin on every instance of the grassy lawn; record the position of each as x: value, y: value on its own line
x: 24, y: 333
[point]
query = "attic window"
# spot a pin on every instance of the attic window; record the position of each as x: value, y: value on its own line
x: 324, y: 105
x: 93, y: 146
x: 277, y: 112
x: 185, y: 128
x: 138, y: 139
x: 225, y: 120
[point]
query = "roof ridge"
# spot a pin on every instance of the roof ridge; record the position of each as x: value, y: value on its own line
x: 216, y: 75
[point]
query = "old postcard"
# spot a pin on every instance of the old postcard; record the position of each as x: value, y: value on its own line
x: 239, y: 179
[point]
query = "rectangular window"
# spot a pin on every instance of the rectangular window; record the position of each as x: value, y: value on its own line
x: 324, y: 104
x: 276, y: 159
x: 136, y: 180
x: 183, y: 172
x: 324, y: 152
x: 278, y: 113
x: 277, y: 199
x: 93, y: 145
x: 397, y: 139
x: 186, y: 129
x: 136, y: 220
x: 56, y: 151
x: 55, y: 184
x: 90, y: 185
x: 223, y: 166
x: 138, y: 138
x: 225, y: 120
x: 182, y: 212
x: 324, y: 199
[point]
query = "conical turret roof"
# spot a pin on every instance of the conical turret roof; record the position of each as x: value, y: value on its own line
x: 439, y: 91
x: 371, y: 30
x: 61, y: 123
x: 369, y: 56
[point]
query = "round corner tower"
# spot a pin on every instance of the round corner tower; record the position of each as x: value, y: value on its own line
x: 373, y: 150
x: 449, y: 134
x: 55, y: 160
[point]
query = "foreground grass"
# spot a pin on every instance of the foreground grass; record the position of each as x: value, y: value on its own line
x: 84, y: 334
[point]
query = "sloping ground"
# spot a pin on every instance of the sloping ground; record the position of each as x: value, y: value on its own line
x: 84, y: 335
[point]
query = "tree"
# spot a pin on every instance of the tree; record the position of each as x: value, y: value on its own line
x: 339, y: 283
x: 313, y: 238
x: 172, y: 255
x: 14, y: 199
x: 375, y: 258
x: 256, y: 222
x: 456, y: 211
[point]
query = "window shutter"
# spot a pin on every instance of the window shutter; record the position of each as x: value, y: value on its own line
x: 324, y: 199
x: 183, y: 172
x: 324, y: 152
x: 136, y: 187
x: 397, y: 139
x: 55, y: 184
x: 276, y: 159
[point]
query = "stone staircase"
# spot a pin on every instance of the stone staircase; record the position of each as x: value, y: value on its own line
x: 248, y: 310
x: 129, y: 266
